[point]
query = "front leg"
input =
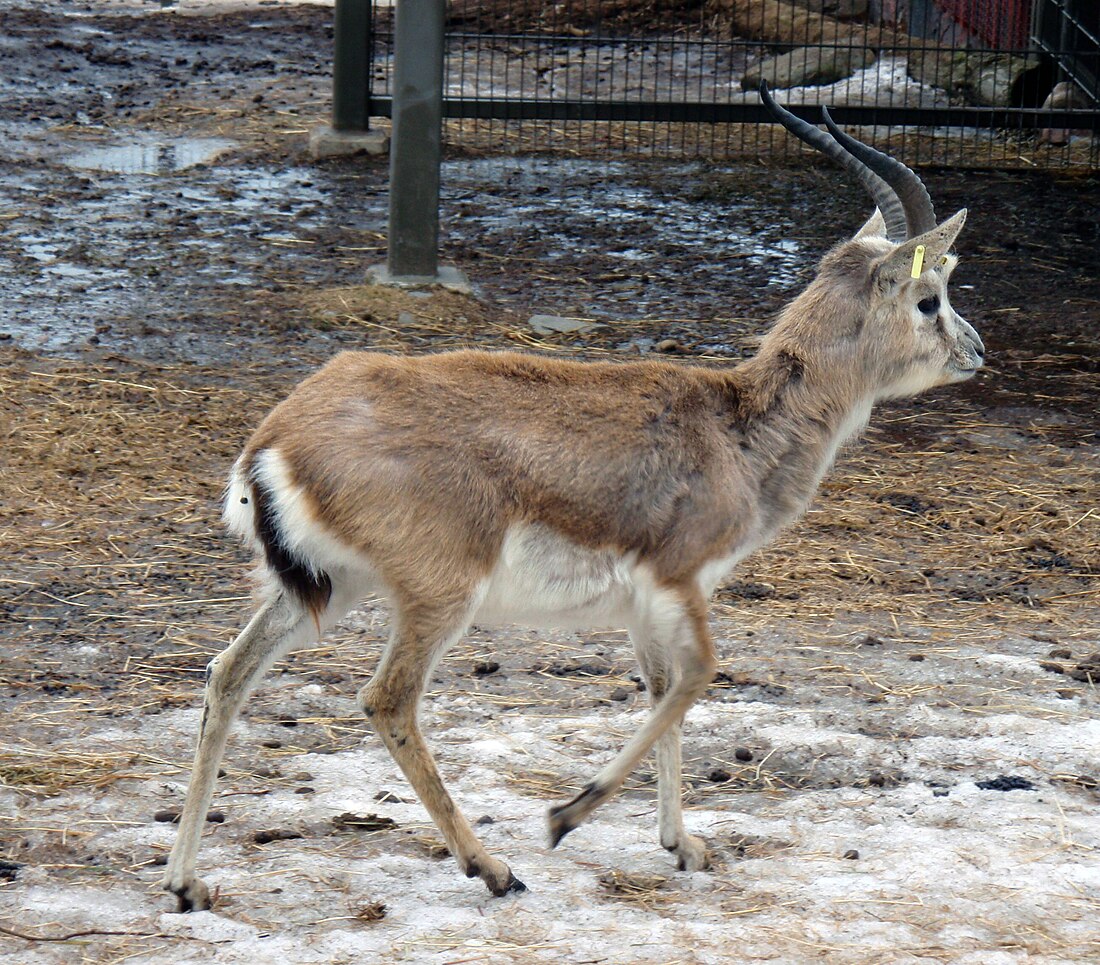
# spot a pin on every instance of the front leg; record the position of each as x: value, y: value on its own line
x: 660, y: 673
x: 690, y: 851
x: 677, y: 657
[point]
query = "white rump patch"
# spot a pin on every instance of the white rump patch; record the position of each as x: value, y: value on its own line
x: 238, y: 512
x: 302, y: 534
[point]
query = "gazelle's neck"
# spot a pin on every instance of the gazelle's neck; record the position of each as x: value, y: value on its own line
x: 791, y: 414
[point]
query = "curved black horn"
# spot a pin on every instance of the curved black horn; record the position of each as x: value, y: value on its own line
x: 920, y: 215
x: 884, y: 196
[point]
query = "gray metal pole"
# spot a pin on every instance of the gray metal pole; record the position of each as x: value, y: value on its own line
x: 415, y: 141
x: 351, y: 65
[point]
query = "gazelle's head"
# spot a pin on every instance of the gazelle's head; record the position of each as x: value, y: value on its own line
x: 881, y: 297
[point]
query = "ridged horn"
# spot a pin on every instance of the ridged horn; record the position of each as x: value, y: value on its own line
x: 920, y: 215
x: 884, y: 196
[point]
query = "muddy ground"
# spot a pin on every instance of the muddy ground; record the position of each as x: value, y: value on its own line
x: 899, y: 759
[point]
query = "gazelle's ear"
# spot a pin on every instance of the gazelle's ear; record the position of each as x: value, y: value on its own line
x: 906, y: 261
x: 875, y: 227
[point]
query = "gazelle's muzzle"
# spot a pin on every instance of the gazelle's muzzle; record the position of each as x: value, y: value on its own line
x: 969, y: 351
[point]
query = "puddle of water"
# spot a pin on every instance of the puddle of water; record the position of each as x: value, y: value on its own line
x: 150, y: 155
x: 657, y: 227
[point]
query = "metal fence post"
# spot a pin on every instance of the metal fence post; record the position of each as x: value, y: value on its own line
x: 351, y: 65
x: 350, y: 132
x: 415, y: 140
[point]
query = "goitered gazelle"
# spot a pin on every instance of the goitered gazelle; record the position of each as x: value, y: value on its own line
x: 503, y: 488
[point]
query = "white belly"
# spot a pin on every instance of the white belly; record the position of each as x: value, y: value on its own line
x: 544, y: 580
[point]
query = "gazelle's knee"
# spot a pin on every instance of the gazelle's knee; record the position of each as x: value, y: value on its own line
x: 215, y: 677
x: 383, y: 707
x: 698, y: 672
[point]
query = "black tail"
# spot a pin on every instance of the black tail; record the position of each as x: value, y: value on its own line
x: 312, y: 588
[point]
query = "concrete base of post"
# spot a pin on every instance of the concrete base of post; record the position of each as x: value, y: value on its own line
x: 446, y: 277
x: 326, y: 142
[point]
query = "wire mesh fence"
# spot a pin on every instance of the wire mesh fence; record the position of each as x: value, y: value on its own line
x: 977, y: 83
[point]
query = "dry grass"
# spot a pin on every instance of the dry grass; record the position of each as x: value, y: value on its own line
x: 112, y: 475
x: 942, y: 519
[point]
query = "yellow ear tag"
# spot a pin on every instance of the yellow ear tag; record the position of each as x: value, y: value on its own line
x: 918, y: 261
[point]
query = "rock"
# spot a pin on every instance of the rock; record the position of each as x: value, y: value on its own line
x: 363, y: 822
x: 1088, y: 670
x: 1065, y: 96
x: 1006, y: 782
x: 983, y: 78
x: 324, y: 142
x: 841, y: 9
x: 275, y: 834
x: 669, y: 346
x: 559, y: 324
x: 808, y: 66
x: 749, y: 591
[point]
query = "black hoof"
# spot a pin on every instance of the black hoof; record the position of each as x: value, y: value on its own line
x: 514, y: 884
x: 558, y: 829
x: 185, y: 904
x: 560, y: 826
x: 192, y: 898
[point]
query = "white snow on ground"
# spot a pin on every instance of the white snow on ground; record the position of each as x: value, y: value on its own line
x: 972, y: 876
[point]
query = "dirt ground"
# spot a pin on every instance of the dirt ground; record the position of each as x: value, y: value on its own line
x: 898, y: 761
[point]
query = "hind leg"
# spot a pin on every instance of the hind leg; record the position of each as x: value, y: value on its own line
x: 391, y: 701
x: 278, y: 626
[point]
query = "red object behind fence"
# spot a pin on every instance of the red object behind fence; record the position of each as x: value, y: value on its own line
x: 1000, y: 23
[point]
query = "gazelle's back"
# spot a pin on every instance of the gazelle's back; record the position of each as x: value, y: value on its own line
x: 388, y: 450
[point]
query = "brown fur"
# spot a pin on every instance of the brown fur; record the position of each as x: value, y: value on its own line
x: 419, y: 469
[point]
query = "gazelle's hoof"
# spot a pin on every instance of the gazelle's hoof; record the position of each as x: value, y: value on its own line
x: 563, y: 818
x: 192, y: 896
x: 497, y: 876
x: 513, y: 885
x: 691, y: 853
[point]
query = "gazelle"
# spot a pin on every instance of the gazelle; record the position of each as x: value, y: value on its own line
x: 505, y: 488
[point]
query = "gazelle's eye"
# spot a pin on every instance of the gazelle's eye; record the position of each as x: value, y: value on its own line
x: 929, y: 306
